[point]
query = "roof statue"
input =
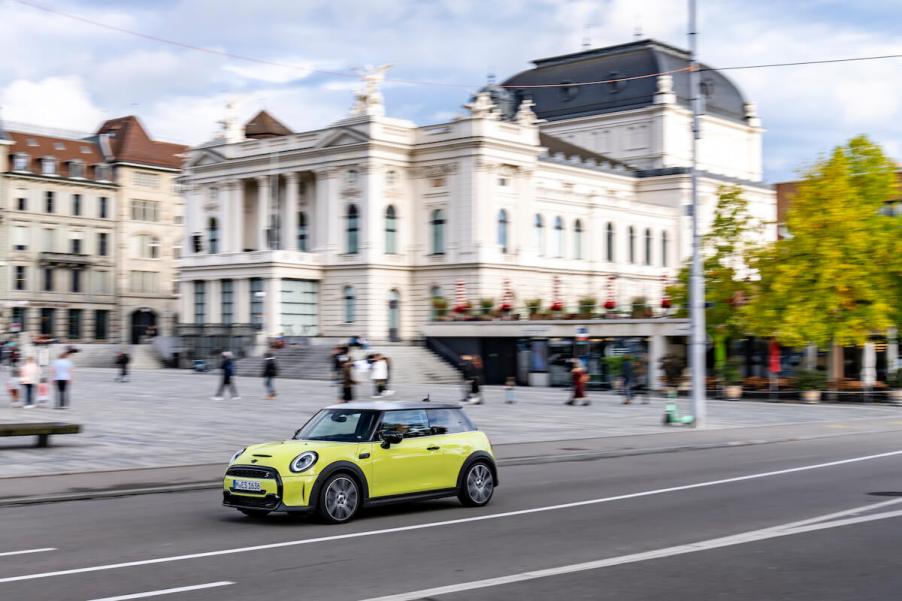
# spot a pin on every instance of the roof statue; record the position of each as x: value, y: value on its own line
x: 229, y: 129
x: 664, y: 94
x: 482, y: 106
x: 525, y: 114
x: 368, y: 99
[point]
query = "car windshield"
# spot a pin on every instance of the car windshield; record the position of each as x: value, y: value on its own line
x: 339, y: 425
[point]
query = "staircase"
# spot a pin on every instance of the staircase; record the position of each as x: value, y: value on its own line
x: 307, y: 363
x: 417, y: 365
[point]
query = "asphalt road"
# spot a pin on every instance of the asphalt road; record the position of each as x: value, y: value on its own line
x: 809, y: 520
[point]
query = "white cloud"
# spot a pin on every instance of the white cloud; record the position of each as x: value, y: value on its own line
x: 282, y: 70
x: 60, y: 102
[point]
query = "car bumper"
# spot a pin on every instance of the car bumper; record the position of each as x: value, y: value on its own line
x: 279, y: 493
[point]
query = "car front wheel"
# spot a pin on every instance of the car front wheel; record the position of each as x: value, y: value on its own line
x: 339, y: 499
x: 477, y: 486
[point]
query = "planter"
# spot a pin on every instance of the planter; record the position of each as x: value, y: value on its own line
x: 733, y: 392
x: 895, y: 396
x: 811, y: 396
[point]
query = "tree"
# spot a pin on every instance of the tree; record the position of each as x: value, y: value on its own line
x: 835, y: 279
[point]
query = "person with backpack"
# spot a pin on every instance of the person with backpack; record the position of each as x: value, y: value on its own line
x: 227, y: 366
x: 270, y: 371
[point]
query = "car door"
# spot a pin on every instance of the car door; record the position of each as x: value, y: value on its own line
x: 410, y: 466
x: 450, y: 428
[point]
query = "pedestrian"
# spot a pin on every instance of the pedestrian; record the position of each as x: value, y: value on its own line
x: 227, y: 366
x: 347, y: 381
x: 388, y: 391
x: 28, y: 378
x: 476, y: 381
x: 379, y: 375
x: 629, y: 379
x: 12, y: 386
x: 122, y: 360
x: 270, y: 371
x: 510, y: 391
x: 62, y: 376
x: 363, y: 342
x: 579, y: 380
x: 43, y: 393
x: 643, y: 386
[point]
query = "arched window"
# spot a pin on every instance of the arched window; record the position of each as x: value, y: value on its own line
x: 631, y: 244
x: 664, y: 249
x: 578, y: 239
x: 540, y: 235
x: 437, y: 224
x: 502, y: 230
x: 303, y: 232
x: 609, y: 242
x: 648, y: 246
x: 391, y: 230
x: 558, y: 237
x: 213, y: 236
x: 349, y: 304
x: 352, y: 230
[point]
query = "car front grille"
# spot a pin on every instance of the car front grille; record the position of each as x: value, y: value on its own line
x: 243, y: 471
x: 267, y: 502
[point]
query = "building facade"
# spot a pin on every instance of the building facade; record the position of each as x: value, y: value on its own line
x: 62, y: 235
x: 353, y: 229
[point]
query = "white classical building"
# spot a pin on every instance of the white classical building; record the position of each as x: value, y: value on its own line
x: 547, y: 192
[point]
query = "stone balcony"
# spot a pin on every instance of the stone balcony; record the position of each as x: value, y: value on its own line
x: 251, y: 257
x: 73, y: 260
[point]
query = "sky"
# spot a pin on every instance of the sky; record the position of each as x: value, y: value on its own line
x: 64, y: 73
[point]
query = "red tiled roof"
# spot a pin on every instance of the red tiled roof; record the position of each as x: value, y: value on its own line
x: 64, y: 150
x: 130, y: 143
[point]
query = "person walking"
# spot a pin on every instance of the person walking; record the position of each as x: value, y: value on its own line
x: 270, y: 371
x: 629, y: 379
x: 379, y: 375
x: 510, y: 391
x: 61, y: 370
x: 227, y: 366
x: 28, y: 378
x: 43, y: 393
x: 122, y: 361
x: 347, y: 381
x: 476, y: 382
x: 12, y: 387
x: 579, y: 380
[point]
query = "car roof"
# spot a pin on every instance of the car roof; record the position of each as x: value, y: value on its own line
x: 393, y: 405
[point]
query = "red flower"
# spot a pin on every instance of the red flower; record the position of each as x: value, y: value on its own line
x: 665, y: 302
x: 610, y: 304
x: 557, y: 306
x: 506, y: 306
x: 462, y: 308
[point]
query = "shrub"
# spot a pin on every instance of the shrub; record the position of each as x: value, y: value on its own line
x: 808, y: 379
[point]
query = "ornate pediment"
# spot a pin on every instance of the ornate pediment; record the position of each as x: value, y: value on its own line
x: 205, y: 157
x: 344, y: 136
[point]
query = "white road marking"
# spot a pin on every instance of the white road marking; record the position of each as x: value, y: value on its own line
x: 715, y: 543
x: 26, y: 551
x: 478, y: 518
x: 168, y: 591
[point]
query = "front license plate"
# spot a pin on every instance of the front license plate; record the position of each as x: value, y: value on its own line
x: 248, y: 485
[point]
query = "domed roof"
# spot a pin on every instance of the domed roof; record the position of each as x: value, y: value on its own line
x: 721, y: 96
x: 503, y: 99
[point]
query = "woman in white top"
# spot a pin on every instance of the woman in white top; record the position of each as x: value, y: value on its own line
x: 29, y: 376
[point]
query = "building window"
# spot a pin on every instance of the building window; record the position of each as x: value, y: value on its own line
x: 609, y: 242
x: 437, y: 224
x: 257, y: 296
x: 212, y: 236
x: 76, y: 205
x: 200, y: 301
x: 352, y: 230
x: 145, y: 210
x: 75, y: 245
x: 349, y: 304
x: 103, y: 207
x: 176, y: 252
x: 146, y: 246
x: 102, y: 282
x: 631, y: 244
x: 143, y: 179
x: 103, y: 244
x: 664, y: 249
x: 558, y: 237
x: 578, y: 239
x: 503, y: 230
x: 102, y: 173
x: 21, y: 201
x: 303, y: 232
x: 21, y: 277
x: 145, y: 282
x: 20, y: 237
x: 74, y: 332
x: 101, y: 324
x: 434, y: 292
x: 48, y: 166
x: 48, y: 322
x: 391, y: 177
x: 647, y: 246
x: 352, y: 176
x: 76, y: 169
x: 75, y: 280
x: 49, y: 240
x: 48, y: 201
x: 48, y: 279
x: 20, y: 316
x: 391, y: 230
x: 503, y: 181
x: 20, y: 162
x: 228, y: 292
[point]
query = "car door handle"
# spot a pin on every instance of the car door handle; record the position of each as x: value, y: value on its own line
x: 432, y: 448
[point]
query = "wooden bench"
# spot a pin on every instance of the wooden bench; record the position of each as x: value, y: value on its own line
x: 43, y: 430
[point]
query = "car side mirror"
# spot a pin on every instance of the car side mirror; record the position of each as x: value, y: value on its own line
x: 389, y: 438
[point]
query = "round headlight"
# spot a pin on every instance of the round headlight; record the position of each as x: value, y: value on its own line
x: 236, y: 456
x: 303, y: 462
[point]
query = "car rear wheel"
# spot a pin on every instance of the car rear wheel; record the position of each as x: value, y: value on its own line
x: 254, y: 513
x: 477, y: 486
x: 339, y: 499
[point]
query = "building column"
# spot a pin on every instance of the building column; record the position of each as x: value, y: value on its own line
x: 241, y: 300
x: 656, y: 349
x: 289, y: 220
x: 262, y: 211
x: 272, y: 306
x: 223, y: 198
x: 214, y: 306
x: 192, y: 200
x: 327, y: 238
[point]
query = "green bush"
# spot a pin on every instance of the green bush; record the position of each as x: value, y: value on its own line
x: 730, y: 373
x: 894, y: 379
x: 807, y: 379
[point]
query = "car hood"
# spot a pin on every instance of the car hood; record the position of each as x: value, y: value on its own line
x: 279, y: 454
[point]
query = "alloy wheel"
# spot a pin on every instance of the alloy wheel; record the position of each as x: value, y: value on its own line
x: 480, y: 483
x: 341, y: 498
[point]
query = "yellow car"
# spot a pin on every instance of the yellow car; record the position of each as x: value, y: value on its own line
x: 363, y: 454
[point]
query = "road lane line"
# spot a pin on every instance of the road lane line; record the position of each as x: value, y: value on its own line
x: 26, y: 551
x: 168, y: 591
x: 715, y: 543
x: 478, y: 518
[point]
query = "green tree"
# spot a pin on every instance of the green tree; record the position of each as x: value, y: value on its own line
x: 835, y: 278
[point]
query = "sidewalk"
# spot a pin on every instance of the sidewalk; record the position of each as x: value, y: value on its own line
x: 166, y: 418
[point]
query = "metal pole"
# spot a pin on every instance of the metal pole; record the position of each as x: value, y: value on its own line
x: 698, y: 338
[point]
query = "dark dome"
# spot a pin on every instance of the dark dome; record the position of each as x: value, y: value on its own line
x: 721, y: 96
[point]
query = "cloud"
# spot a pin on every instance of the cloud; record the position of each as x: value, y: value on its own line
x: 60, y: 102
x: 287, y: 70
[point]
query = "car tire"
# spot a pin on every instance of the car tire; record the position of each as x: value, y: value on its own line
x: 477, y: 485
x: 255, y: 513
x: 339, y: 498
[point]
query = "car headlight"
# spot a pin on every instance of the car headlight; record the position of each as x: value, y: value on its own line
x: 236, y: 456
x: 303, y: 462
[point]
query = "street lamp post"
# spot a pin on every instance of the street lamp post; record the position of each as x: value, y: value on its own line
x: 698, y: 340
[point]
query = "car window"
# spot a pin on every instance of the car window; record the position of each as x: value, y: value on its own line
x: 410, y: 423
x: 340, y: 425
x: 448, y: 421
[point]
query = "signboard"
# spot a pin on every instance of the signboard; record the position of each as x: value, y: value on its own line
x: 582, y: 333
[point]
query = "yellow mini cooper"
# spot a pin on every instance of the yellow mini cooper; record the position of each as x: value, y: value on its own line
x: 364, y: 454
